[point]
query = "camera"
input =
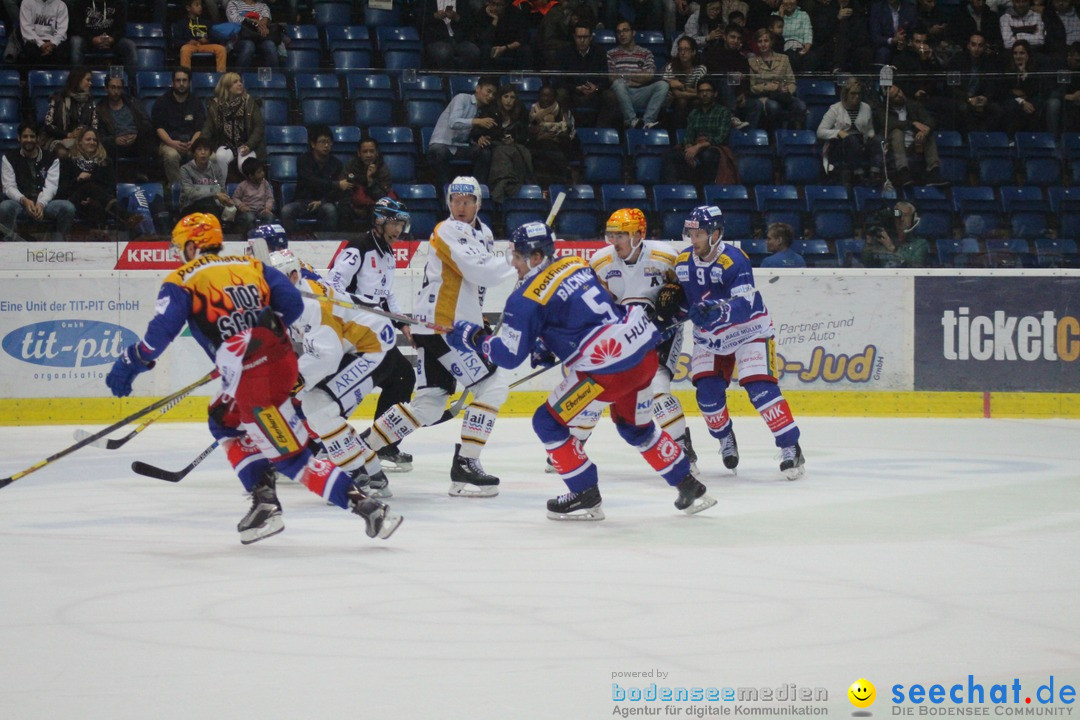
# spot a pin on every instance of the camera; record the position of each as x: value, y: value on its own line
x: 879, y: 222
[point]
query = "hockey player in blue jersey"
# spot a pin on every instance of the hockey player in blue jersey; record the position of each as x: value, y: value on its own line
x: 732, y: 328
x: 560, y: 310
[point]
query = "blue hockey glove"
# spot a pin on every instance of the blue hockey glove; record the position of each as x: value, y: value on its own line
x: 710, y: 312
x: 466, y: 337
x: 124, y: 370
x: 542, y: 357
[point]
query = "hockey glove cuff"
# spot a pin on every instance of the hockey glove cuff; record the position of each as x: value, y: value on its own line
x: 711, y: 312
x: 467, y: 337
x: 124, y: 370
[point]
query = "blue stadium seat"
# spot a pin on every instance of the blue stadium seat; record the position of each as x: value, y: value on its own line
x: 10, y: 83
x: 303, y: 37
x: 463, y: 84
x: 602, y: 155
x: 956, y: 253
x: 352, y: 59
x: 979, y: 210
x: 376, y: 111
x: 655, y: 141
x: 777, y: 197
x: 527, y: 205
x: 149, y: 58
x: 402, y: 166
x: 1056, y: 253
x: 578, y: 217
x: 827, y: 197
x: 333, y: 13
x: 605, y: 36
x: 308, y: 86
x: 672, y: 203
x: 615, y: 197
x: 152, y: 83
x: 286, y: 139
x: 369, y: 86
x: 424, y: 87
x: 802, y: 169
x: 989, y: 145
x: 833, y: 224
x: 817, y: 253
x: 794, y: 219
x: 300, y: 60
x: 9, y: 136
x: 934, y: 224
x: 868, y: 200
x: 399, y: 139
x: 750, y: 142
x: 203, y: 83
x: 754, y: 169
x: 425, y: 209
x: 10, y: 110
x: 395, y: 60
x: 754, y: 248
x: 42, y: 83
x: 275, y: 111
x: 422, y: 113
x: 282, y: 168
x: 374, y: 17
x: 346, y: 37
x: 797, y: 142
x: 346, y: 135
x: 728, y: 197
x: 926, y: 198
x: 275, y: 86
x: 1036, y: 145
x: 816, y: 91
x: 1028, y: 211
x: 849, y: 252
x: 527, y: 88
x: 325, y: 111
x: 1042, y: 171
x: 738, y: 223
x: 599, y: 141
x: 996, y: 171
x: 954, y: 156
x: 137, y: 31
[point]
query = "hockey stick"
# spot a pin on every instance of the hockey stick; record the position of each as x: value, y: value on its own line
x: 113, y: 444
x: 4, y: 482
x: 169, y: 475
x: 374, y: 310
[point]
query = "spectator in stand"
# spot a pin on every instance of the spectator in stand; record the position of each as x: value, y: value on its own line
x: 772, y: 83
x: 890, y: 22
x: 778, y: 239
x: 256, y: 32
x: 29, y: 178
x: 556, y: 31
x: 976, y: 97
x: 682, y: 76
x: 551, y: 136
x: 125, y: 130
x: 99, y: 26
x: 253, y: 197
x: 895, y: 246
x: 1071, y: 93
x: 729, y: 63
x: 1062, y: 27
x: 847, y: 129
x: 43, y: 25
x: 502, y: 37
x: 930, y: 17
x: 234, y: 123
x: 202, y: 184
x: 510, y: 162
x: 1028, y: 97
x: 88, y: 181
x: 447, y: 35
x: 69, y: 111
x: 707, y: 131
x: 585, y: 87
x: 908, y: 130
x: 676, y: 14
x: 320, y: 185
x: 1022, y: 23
x: 841, y: 37
x: 977, y: 18
x: 703, y: 27
x: 371, y: 180
x: 632, y: 70
x: 450, y: 138
x: 178, y: 118
x: 798, y: 34
x: 190, y: 35
x: 759, y: 12
x: 921, y: 77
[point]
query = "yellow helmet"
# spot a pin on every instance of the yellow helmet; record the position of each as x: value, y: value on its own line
x: 203, y: 229
x: 627, y: 220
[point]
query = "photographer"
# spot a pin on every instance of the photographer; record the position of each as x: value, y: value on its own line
x: 370, y: 178
x: 890, y: 242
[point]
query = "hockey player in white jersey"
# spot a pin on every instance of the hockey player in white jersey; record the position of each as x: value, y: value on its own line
x: 634, y: 270
x: 461, y: 265
x: 340, y: 361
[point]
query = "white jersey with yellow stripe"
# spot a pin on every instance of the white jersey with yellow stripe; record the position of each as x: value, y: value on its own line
x: 640, y: 282
x: 328, y: 332
x: 461, y: 264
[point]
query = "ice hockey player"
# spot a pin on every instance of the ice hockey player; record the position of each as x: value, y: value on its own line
x: 732, y: 327
x: 633, y: 270
x: 364, y: 269
x: 341, y: 360
x: 610, y: 356
x: 235, y: 307
x: 460, y: 266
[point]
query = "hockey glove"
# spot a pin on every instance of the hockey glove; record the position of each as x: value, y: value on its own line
x: 710, y: 312
x: 541, y: 356
x: 670, y: 304
x: 466, y: 337
x: 124, y: 370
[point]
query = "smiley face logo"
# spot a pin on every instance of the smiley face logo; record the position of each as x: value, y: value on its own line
x: 862, y: 693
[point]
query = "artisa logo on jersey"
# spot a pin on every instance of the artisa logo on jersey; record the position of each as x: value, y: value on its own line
x: 68, y: 343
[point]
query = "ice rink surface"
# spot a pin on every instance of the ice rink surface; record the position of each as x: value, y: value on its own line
x: 912, y: 551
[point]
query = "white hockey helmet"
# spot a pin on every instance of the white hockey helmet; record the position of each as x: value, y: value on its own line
x: 465, y: 185
x: 286, y: 262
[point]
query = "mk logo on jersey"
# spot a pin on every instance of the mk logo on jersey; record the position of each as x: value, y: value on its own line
x: 604, y: 350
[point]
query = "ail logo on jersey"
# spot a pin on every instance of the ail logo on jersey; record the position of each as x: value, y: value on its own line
x: 143, y: 255
x: 605, y: 350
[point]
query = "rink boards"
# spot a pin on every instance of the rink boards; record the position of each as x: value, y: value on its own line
x: 1002, y: 343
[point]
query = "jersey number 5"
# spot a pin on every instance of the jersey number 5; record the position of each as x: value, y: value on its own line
x: 598, y: 305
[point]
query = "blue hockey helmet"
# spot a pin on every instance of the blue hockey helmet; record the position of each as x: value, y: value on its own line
x: 388, y: 208
x: 273, y: 234
x: 704, y: 217
x: 533, y: 237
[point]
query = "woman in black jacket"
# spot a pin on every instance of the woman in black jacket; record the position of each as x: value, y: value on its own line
x: 89, y: 182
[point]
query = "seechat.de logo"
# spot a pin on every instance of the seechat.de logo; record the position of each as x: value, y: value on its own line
x: 68, y: 343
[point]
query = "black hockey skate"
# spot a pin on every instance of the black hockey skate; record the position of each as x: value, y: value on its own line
x: 393, y: 460
x: 688, y: 448
x: 792, y: 462
x: 264, y: 518
x: 381, y: 521
x: 584, y: 505
x: 692, y: 498
x: 729, y: 449
x: 469, y: 479
x: 376, y: 486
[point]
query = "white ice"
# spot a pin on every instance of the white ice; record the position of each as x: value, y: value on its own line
x: 913, y: 551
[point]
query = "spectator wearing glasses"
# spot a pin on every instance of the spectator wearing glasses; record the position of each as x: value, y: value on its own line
x: 320, y: 185
x: 584, y: 85
x: 632, y: 70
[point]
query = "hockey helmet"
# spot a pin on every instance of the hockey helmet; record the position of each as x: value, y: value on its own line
x: 285, y: 262
x: 273, y: 234
x: 464, y: 185
x: 203, y: 229
x: 388, y: 208
x: 707, y: 218
x: 627, y: 220
x: 533, y: 237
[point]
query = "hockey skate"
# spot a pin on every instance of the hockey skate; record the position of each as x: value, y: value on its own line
x: 729, y: 449
x: 469, y: 479
x: 688, y: 449
x: 264, y: 518
x: 376, y: 486
x: 692, y: 498
x: 393, y: 460
x: 584, y: 505
x: 381, y: 521
x: 792, y: 462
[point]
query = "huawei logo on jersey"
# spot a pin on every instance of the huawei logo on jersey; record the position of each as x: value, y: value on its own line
x: 604, y: 350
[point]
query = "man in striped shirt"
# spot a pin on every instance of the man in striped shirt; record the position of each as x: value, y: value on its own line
x: 633, y: 79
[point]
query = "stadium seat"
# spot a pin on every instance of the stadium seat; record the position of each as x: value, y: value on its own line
x: 421, y: 113
x: 463, y: 84
x: 275, y: 86
x: 750, y: 142
x: 286, y: 139
x: 149, y: 58
x: 10, y: 110
x: 996, y: 171
x: 728, y: 197
x: 754, y: 169
x: 816, y: 91
x: 979, y: 210
x: 527, y: 205
x: 9, y: 136
x: 138, y: 31
x: 648, y: 149
x: 802, y: 169
x: 527, y: 88
x: 605, y: 37
x: 615, y: 197
x: 934, y: 224
x: 275, y: 111
x: 346, y: 135
x: 369, y: 86
x: 324, y: 111
x: 954, y: 156
x: 42, y: 83
x: 817, y: 253
x: 152, y: 83
x: 303, y: 37
x: 308, y: 86
x: 282, y: 168
x: 402, y: 166
x: 398, y: 139
x: 867, y: 200
x: 301, y: 60
x: 403, y: 37
x: 754, y: 249
x: 1056, y: 253
x: 425, y: 209
x: 926, y: 198
x: 1042, y: 171
x: 396, y: 60
x: 956, y: 253
x: 346, y: 37
x: 375, y: 111
x: 423, y: 87
x: 602, y: 155
x: 833, y: 224
x: 672, y: 203
x: 333, y: 13
x: 797, y: 142
x: 777, y: 197
x: 578, y: 217
x: 351, y: 59
x: 989, y: 144
x: 203, y: 83
x: 849, y: 252
x: 827, y: 197
x: 10, y: 83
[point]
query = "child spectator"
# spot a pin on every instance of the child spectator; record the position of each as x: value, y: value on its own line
x: 190, y: 33
x: 253, y: 197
